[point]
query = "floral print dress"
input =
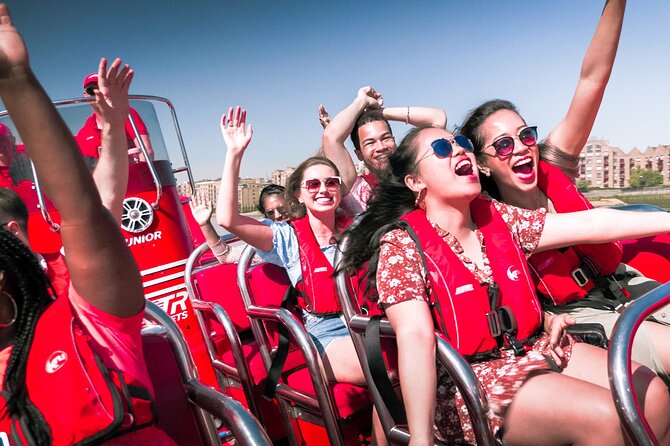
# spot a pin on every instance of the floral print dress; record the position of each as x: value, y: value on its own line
x: 401, y: 277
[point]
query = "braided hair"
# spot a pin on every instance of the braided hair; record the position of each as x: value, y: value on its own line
x: 27, y: 283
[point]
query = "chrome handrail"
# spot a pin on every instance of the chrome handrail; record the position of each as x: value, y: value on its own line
x: 150, y: 164
x: 245, y: 428
x: 619, y: 363
x: 55, y: 227
x: 149, y: 161
x: 219, y: 312
x: 297, y: 332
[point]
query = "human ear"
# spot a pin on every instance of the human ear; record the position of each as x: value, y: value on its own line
x: 414, y: 183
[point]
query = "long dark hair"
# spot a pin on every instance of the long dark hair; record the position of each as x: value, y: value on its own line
x: 26, y: 282
x: 391, y: 199
x: 295, y: 208
x: 472, y: 128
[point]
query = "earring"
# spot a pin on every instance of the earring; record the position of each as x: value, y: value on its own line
x: 418, y: 203
x: 16, y: 311
x: 485, y: 170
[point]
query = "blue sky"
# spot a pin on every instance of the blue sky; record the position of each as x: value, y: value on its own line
x: 280, y: 59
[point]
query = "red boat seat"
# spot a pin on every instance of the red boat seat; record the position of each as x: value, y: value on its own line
x: 649, y: 255
x: 217, y: 284
x: 349, y: 399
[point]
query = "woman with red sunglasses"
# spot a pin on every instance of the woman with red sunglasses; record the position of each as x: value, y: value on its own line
x: 442, y: 257
x: 588, y: 282
x: 305, y: 245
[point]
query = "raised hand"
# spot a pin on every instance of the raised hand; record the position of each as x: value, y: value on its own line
x: 13, y: 53
x: 111, y: 97
x: 371, y: 97
x: 236, y: 134
x: 324, y: 118
x: 200, y: 208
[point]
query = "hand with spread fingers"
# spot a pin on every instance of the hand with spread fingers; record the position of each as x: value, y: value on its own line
x: 201, y: 209
x: 111, y: 97
x: 236, y: 134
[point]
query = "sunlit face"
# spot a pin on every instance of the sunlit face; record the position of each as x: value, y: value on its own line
x: 515, y: 173
x: 377, y: 143
x: 274, y: 207
x: 325, y: 200
x: 451, y: 178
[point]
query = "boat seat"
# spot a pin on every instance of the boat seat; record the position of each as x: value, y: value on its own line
x: 230, y: 343
x: 325, y: 413
x: 186, y: 407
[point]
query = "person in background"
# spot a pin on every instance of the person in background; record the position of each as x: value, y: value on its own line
x: 367, y: 122
x: 89, y: 136
x: 7, y: 148
x: 271, y: 203
x: 49, y: 347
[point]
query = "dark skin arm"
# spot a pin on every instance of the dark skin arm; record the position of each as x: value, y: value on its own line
x: 101, y: 267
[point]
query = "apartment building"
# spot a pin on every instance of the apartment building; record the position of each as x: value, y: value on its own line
x: 602, y: 165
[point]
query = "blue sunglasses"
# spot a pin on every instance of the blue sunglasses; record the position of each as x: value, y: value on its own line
x: 443, y: 147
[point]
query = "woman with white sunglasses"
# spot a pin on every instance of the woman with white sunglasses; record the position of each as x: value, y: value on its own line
x: 305, y: 245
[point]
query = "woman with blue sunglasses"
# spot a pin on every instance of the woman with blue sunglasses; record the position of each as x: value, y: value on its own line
x: 442, y: 257
x: 587, y: 282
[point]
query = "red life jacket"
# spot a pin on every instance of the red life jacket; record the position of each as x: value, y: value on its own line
x: 371, y: 179
x: 82, y: 401
x: 462, y: 307
x: 565, y: 275
x: 317, y: 287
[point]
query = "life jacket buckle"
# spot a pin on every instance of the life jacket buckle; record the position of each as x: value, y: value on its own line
x: 494, y: 323
x: 580, y: 277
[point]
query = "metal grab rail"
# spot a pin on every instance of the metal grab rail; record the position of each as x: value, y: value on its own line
x: 245, y: 428
x: 457, y: 367
x: 321, y: 401
x: 619, y: 363
x: 199, y: 305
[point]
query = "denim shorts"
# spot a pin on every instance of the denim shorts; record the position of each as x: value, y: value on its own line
x: 325, y: 329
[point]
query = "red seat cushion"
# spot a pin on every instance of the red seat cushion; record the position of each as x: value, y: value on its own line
x: 649, y: 255
x: 210, y: 283
x: 349, y: 399
x: 253, y: 358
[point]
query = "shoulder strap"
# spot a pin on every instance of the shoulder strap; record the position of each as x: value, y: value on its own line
x: 281, y: 353
x: 377, y: 366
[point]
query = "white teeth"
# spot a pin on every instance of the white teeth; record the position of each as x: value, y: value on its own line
x: 523, y: 161
x: 463, y: 163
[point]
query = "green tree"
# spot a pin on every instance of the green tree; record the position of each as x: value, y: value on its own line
x: 583, y: 185
x: 640, y: 177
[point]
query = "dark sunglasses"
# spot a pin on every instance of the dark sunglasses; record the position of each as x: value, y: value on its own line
x: 90, y: 91
x: 505, y: 145
x: 443, y: 147
x: 271, y: 213
x: 313, y: 185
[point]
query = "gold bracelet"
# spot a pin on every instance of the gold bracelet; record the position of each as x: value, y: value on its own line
x: 407, y: 119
